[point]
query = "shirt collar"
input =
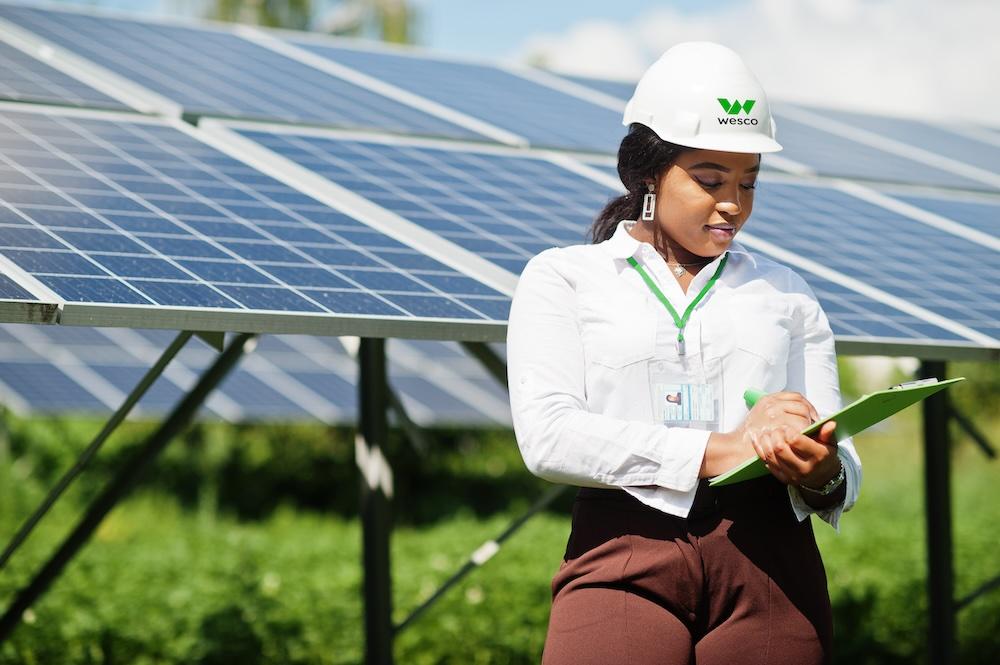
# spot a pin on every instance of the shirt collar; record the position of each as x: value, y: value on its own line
x: 622, y: 245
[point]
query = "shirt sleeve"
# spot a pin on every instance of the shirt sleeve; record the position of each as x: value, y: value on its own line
x: 812, y: 371
x: 560, y: 439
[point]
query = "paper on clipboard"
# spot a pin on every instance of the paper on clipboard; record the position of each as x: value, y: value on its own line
x: 856, y: 417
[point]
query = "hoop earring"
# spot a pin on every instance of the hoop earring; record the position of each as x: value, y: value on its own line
x: 648, y: 205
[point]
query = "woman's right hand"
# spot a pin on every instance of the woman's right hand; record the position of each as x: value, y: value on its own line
x: 775, y: 411
x: 771, y: 412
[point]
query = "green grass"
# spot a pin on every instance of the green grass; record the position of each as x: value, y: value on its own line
x: 171, y: 580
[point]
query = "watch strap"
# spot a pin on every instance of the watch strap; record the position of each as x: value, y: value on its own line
x: 831, y: 486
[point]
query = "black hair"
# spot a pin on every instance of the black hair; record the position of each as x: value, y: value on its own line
x: 642, y: 156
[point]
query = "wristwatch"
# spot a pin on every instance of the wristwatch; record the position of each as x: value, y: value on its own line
x: 830, y: 487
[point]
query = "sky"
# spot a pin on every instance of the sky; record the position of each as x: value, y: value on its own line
x: 920, y: 58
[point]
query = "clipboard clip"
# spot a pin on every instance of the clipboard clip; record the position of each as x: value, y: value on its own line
x: 910, y: 384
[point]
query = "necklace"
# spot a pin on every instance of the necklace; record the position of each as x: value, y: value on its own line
x: 678, y: 268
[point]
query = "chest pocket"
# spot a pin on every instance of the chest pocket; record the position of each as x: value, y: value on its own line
x: 616, y: 330
x: 763, y: 339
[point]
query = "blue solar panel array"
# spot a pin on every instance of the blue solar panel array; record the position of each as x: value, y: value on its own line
x: 544, y: 116
x: 919, y: 134
x: 122, y: 212
x: 503, y: 207
x: 980, y: 214
x: 35, y: 373
x: 10, y: 290
x: 919, y: 263
x: 852, y: 314
x: 140, y: 213
x: 833, y: 155
x: 478, y: 199
x: 621, y: 90
x: 24, y: 78
x: 609, y: 170
x: 43, y: 384
x: 219, y: 73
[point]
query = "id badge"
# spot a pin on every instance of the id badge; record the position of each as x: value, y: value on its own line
x: 686, y: 392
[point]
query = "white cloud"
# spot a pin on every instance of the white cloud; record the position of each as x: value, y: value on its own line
x: 906, y: 57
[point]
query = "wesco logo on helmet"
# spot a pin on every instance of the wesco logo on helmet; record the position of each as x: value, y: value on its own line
x: 733, y: 108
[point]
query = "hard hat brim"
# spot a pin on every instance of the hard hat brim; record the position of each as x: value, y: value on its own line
x: 730, y: 142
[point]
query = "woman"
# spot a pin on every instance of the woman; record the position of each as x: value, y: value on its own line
x: 627, y: 361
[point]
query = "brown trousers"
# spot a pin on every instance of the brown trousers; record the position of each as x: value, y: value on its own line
x: 740, y: 580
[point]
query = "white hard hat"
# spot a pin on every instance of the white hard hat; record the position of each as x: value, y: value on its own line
x: 702, y: 95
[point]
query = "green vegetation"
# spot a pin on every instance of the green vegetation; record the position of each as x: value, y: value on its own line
x: 242, y: 547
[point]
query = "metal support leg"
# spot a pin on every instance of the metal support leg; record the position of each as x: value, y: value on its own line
x: 484, y: 553
x: 122, y: 483
x: 489, y: 359
x: 376, y: 493
x: 937, y: 487
x: 412, y: 431
x: 983, y: 589
x: 116, y: 419
x: 970, y: 428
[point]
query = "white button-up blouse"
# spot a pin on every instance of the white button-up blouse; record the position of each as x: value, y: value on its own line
x: 585, y: 332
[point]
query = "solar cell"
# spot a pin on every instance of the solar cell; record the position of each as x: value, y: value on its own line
x: 980, y: 214
x: 504, y: 206
x: 46, y: 387
x: 430, y: 185
x: 829, y: 154
x: 618, y: 89
x: 856, y: 316
x: 25, y: 78
x: 919, y: 134
x: 610, y: 170
x: 884, y: 249
x: 130, y: 225
x: 542, y: 115
x: 832, y: 155
x: 286, y: 377
x: 11, y: 290
x: 213, y: 71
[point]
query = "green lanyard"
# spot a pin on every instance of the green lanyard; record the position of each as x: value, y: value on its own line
x: 679, y: 321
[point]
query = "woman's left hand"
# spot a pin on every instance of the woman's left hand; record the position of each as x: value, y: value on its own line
x: 796, y: 459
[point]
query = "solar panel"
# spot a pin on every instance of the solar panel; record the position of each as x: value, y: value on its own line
x: 886, y: 250
x: 477, y: 198
x: 505, y: 206
x: 25, y: 78
x: 608, y: 169
x: 37, y: 368
x: 105, y: 209
x: 11, y: 290
x: 216, y: 72
x: 919, y: 134
x: 979, y: 214
x: 856, y: 316
x: 44, y: 386
x: 139, y: 212
x: 829, y: 154
x: 542, y: 115
x: 618, y: 89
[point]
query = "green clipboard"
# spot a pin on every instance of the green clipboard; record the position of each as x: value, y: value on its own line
x: 856, y: 417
